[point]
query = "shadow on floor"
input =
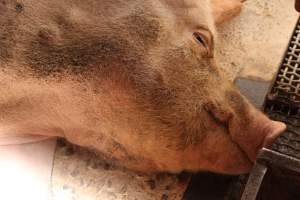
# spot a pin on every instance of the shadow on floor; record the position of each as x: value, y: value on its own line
x: 207, y: 186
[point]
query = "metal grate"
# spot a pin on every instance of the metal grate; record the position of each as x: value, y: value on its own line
x: 287, y: 82
x: 283, y: 101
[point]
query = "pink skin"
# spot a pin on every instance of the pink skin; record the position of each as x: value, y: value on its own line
x: 137, y: 82
x: 262, y: 133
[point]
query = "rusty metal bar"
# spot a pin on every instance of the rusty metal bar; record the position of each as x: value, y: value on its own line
x: 266, y: 158
x: 254, y: 181
x: 273, y: 158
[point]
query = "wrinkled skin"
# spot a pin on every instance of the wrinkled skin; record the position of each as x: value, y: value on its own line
x: 130, y: 80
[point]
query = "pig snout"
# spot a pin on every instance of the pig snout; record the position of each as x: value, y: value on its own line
x: 255, y: 132
x: 248, y: 127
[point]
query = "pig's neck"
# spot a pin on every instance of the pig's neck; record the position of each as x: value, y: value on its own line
x: 28, y: 108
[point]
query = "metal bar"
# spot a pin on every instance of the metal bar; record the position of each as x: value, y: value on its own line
x: 265, y: 158
x: 273, y: 158
x: 254, y: 181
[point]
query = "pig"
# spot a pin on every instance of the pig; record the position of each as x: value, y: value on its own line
x: 135, y: 81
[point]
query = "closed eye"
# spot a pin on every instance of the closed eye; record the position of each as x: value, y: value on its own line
x: 200, y: 39
x: 204, y: 38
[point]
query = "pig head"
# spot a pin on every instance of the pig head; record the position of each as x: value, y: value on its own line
x: 134, y: 80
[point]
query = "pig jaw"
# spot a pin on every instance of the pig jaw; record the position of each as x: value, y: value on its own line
x: 235, y: 151
x: 256, y: 132
x: 246, y: 127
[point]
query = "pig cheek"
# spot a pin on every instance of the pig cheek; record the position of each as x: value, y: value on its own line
x: 220, y: 154
x: 231, y: 159
x: 225, y: 159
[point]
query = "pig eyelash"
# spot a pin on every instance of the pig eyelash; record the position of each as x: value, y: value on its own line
x: 200, y: 39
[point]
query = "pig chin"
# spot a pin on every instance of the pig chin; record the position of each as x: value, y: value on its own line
x: 218, y: 152
x: 235, y: 163
x: 222, y: 154
x: 241, y: 156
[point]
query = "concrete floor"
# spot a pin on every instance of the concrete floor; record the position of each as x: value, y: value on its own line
x: 250, y: 46
x: 81, y: 175
x: 253, y: 44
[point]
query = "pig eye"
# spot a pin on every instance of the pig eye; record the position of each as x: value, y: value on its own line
x: 203, y: 40
x: 200, y: 39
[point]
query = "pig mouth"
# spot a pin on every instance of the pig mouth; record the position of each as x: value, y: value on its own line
x: 241, y: 149
x: 225, y: 125
x: 250, y: 135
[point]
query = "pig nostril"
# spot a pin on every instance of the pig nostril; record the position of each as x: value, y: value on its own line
x: 19, y: 7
